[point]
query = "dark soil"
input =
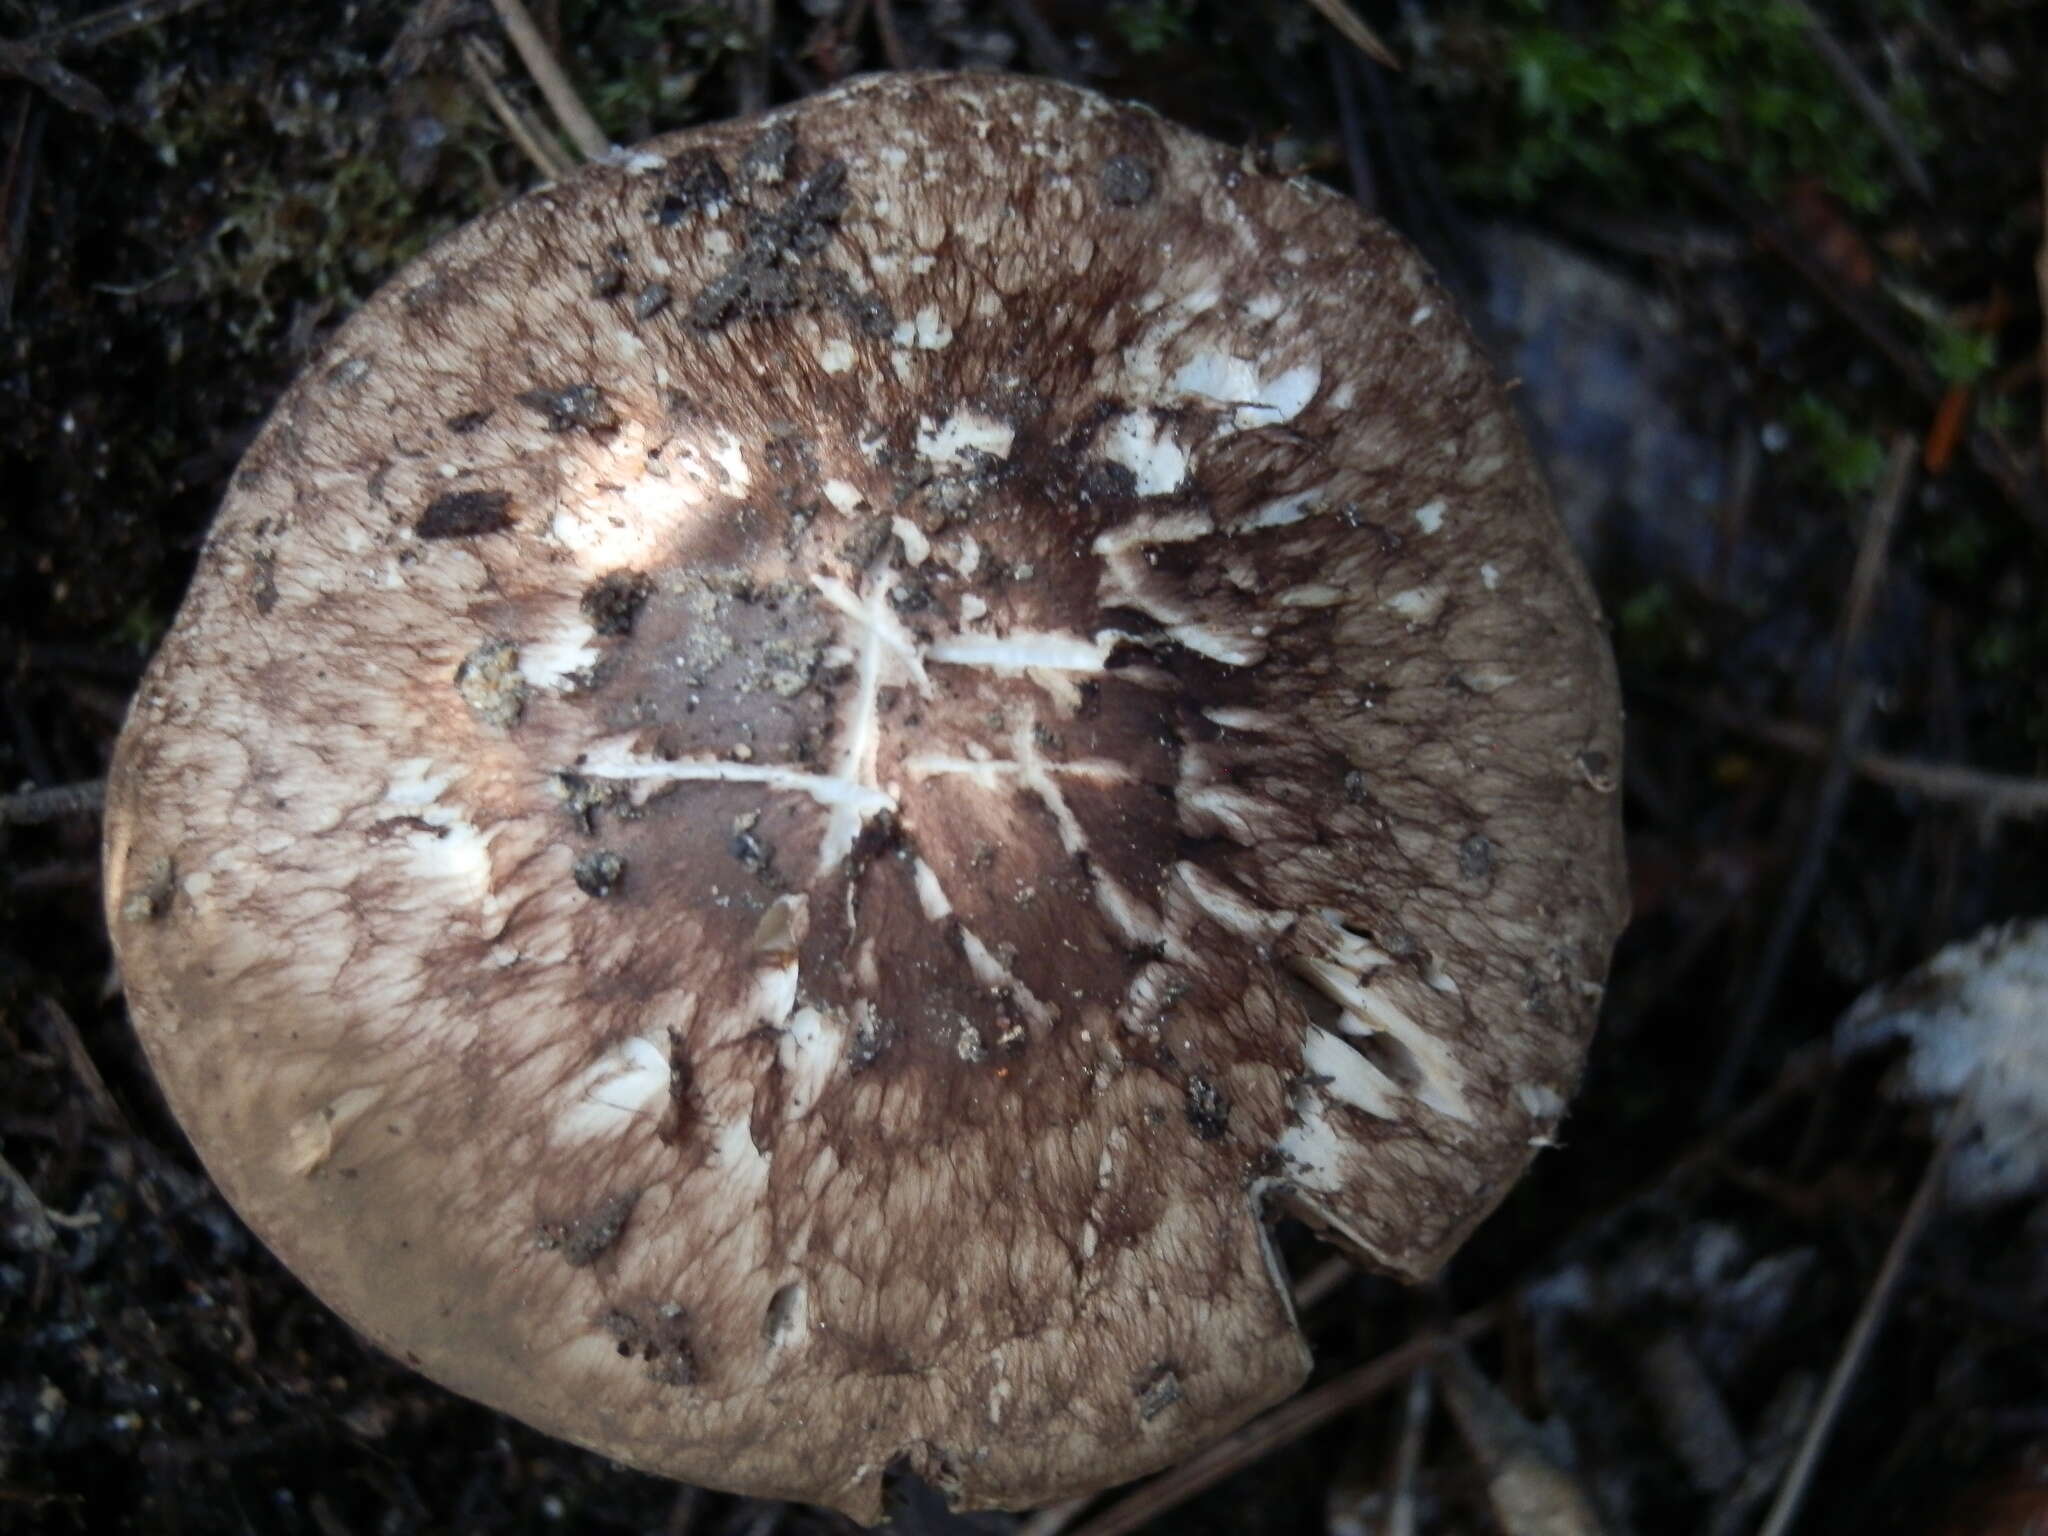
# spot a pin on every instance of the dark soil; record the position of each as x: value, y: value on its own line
x: 1770, y: 308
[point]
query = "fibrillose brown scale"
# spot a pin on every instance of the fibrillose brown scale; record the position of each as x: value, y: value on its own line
x: 780, y: 879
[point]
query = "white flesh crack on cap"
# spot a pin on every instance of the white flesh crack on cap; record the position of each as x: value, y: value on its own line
x: 816, y: 769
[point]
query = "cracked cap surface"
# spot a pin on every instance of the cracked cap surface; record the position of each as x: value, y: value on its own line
x: 814, y: 768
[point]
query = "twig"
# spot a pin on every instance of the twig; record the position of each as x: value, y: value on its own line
x: 31, y: 807
x: 1988, y: 453
x: 26, y: 62
x: 1530, y: 1491
x: 1415, y: 1411
x: 1857, y: 1348
x: 17, y: 185
x: 1351, y: 129
x: 540, y: 146
x: 1853, y: 697
x: 1055, y: 1518
x: 1864, y: 94
x: 1284, y: 1425
x: 115, y: 21
x: 1997, y: 795
x: 752, y: 66
x: 1873, y: 553
x: 892, y: 38
x: 1040, y: 42
x: 1356, y: 32
x: 1322, y: 1282
x: 547, y: 73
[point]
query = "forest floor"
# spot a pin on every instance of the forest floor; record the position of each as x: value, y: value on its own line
x: 1767, y: 277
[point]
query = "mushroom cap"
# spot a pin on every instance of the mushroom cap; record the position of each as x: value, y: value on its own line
x: 815, y: 768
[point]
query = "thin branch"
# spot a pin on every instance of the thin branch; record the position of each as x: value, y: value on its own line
x: 892, y: 36
x: 1356, y: 32
x: 1997, y: 796
x: 26, y: 62
x: 1284, y: 1425
x: 1041, y: 44
x: 1864, y: 94
x: 1853, y: 698
x: 115, y: 21
x: 1989, y: 453
x: 33, y: 806
x: 540, y: 146
x: 1857, y: 1348
x: 547, y: 73
x: 752, y: 66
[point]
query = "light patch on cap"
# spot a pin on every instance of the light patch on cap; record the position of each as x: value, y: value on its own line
x: 927, y: 329
x: 1541, y: 1101
x: 561, y: 660
x: 808, y: 1051
x: 916, y: 547
x: 962, y: 433
x: 1352, y: 1079
x: 727, y: 456
x: 843, y: 494
x: 1371, y: 1010
x: 1154, y: 528
x: 310, y: 1140
x: 740, y: 1167
x: 1230, y: 907
x: 1489, y: 576
x: 443, y: 844
x: 1429, y: 517
x: 1140, y: 442
x: 1283, y: 512
x: 1418, y: 605
x: 835, y: 355
x: 630, y: 1080
x: 1022, y: 649
x: 1237, y: 382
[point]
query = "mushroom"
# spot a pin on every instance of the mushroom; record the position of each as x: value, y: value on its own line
x: 816, y: 769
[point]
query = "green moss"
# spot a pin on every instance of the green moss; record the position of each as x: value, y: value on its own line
x: 1151, y: 26
x: 1846, y: 458
x: 1736, y: 83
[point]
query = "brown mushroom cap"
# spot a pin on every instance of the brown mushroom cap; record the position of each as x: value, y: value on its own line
x: 817, y: 766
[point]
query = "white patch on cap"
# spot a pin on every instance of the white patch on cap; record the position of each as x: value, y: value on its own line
x: 916, y: 547
x: 1315, y: 595
x: 1140, y: 442
x: 1422, y: 313
x: 1154, y: 528
x: 1022, y: 649
x: 843, y: 494
x: 1128, y: 581
x: 629, y: 1081
x: 835, y: 355
x: 1352, y: 1078
x: 1370, y: 1009
x: 559, y: 661
x: 1489, y: 577
x: 1237, y: 382
x: 441, y: 842
x: 962, y: 433
x: 1418, y: 605
x: 310, y: 1140
x: 931, y: 896
x: 808, y: 1051
x: 1230, y: 907
x: 727, y: 456
x: 1429, y: 517
x: 1539, y: 1101
x: 740, y: 1166
x: 1281, y: 513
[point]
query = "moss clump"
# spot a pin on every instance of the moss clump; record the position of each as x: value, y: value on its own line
x: 1611, y: 103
